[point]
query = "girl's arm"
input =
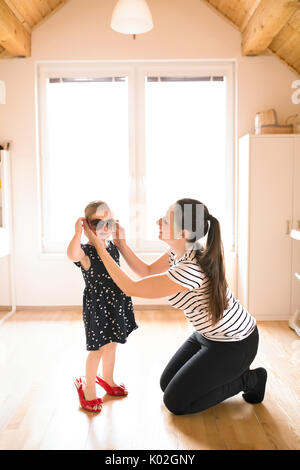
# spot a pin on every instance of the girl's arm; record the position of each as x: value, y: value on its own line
x: 74, y: 250
x: 150, y: 287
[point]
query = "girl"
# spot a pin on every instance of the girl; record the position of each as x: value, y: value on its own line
x: 107, y: 312
x: 213, y: 364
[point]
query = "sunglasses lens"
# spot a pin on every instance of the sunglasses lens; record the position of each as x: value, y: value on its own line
x: 99, y: 224
x: 94, y: 223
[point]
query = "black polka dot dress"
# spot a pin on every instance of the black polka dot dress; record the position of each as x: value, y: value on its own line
x: 108, y: 313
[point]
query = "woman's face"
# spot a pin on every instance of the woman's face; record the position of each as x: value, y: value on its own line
x: 102, y: 223
x: 168, y: 230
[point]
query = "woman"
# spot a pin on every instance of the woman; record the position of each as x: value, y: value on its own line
x: 213, y: 363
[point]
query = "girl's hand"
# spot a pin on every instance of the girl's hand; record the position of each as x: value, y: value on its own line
x: 91, y: 235
x: 79, y: 226
x: 118, y: 234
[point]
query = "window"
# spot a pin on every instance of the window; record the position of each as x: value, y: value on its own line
x: 138, y: 136
x: 183, y: 118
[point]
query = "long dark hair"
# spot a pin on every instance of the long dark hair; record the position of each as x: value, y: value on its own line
x: 211, y: 257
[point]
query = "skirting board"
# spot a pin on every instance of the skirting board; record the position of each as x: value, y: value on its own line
x: 79, y: 307
x: 136, y: 307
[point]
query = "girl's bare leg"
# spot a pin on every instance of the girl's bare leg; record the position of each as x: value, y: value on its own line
x: 91, y: 367
x: 108, y: 363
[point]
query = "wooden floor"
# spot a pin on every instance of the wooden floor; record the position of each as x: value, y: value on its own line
x: 41, y: 352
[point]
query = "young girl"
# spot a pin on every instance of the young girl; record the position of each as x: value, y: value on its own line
x: 107, y: 312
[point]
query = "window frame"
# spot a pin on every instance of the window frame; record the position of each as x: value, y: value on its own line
x: 72, y: 70
x: 137, y: 72
x: 188, y: 69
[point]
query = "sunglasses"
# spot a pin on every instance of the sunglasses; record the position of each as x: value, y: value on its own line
x: 99, y: 224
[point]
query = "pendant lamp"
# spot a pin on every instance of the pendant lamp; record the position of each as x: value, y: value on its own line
x: 131, y: 17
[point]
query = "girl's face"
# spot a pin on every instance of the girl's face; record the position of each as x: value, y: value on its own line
x: 102, y: 223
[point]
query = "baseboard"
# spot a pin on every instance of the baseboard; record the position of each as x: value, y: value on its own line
x: 49, y: 308
x: 144, y: 307
x: 272, y: 318
x: 79, y: 307
x: 154, y: 307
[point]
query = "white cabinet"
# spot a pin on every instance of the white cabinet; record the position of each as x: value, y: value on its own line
x: 268, y: 208
x: 295, y: 298
x: 6, y: 224
x: 5, y: 203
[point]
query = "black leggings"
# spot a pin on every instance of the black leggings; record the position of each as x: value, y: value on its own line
x: 203, y: 373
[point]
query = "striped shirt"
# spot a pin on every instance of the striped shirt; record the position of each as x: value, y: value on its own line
x: 236, y: 323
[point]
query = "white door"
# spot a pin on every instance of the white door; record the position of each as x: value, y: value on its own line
x: 295, y: 301
x: 271, y: 202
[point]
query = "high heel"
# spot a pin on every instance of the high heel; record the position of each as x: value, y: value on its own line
x: 87, y: 405
x: 116, y: 391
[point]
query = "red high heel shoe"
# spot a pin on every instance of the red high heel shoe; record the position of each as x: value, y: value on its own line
x: 87, y: 405
x: 116, y: 391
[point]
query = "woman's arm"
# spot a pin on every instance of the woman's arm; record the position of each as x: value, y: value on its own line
x: 134, y: 262
x: 138, y: 266
x: 150, y: 287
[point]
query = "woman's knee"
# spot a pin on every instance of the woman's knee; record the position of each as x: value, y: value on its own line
x: 164, y: 382
x: 173, y: 403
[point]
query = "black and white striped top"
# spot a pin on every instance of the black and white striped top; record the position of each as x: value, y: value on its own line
x: 236, y: 323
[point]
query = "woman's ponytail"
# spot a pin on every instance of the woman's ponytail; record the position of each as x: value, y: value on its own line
x: 210, y: 258
x: 212, y: 262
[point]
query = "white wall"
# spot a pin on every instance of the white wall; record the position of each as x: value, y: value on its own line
x: 186, y: 29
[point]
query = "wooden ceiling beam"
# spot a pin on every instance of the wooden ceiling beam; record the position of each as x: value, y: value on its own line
x: 23, y: 11
x: 249, y: 14
x: 267, y: 20
x: 14, y: 38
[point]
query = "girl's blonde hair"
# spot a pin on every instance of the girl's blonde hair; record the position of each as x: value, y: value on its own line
x: 93, y: 207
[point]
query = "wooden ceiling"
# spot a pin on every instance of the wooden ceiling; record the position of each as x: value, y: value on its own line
x: 266, y: 26
x: 18, y: 18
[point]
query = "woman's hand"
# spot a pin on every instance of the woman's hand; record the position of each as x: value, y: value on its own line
x: 118, y: 234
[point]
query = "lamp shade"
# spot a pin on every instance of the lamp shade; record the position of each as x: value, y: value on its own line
x: 2, y: 92
x: 131, y: 17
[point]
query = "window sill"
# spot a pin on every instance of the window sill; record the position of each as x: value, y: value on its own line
x: 140, y: 252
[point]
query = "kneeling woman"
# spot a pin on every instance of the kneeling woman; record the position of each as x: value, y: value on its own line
x: 213, y: 363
